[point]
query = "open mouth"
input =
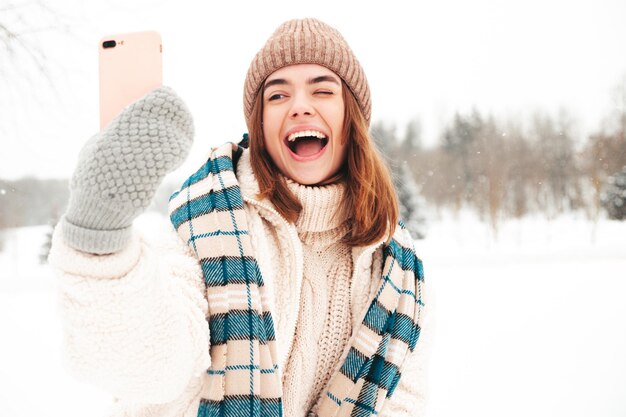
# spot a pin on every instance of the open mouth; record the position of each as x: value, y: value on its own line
x: 307, y: 143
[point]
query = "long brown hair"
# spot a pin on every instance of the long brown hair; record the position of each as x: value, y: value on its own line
x: 370, y: 199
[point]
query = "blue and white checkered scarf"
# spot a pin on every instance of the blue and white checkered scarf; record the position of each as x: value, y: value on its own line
x: 208, y: 213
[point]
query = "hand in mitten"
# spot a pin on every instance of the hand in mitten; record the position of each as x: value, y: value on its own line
x: 120, y: 168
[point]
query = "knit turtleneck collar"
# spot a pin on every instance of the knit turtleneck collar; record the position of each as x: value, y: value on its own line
x: 321, y: 206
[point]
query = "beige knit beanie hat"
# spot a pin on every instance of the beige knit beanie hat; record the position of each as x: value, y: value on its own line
x: 306, y: 41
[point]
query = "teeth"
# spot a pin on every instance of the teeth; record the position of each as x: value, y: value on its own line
x: 303, y: 133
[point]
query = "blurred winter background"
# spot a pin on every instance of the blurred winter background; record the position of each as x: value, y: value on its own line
x: 504, y: 123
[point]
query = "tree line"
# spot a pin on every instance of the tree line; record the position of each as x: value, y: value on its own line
x: 509, y: 169
x: 499, y: 168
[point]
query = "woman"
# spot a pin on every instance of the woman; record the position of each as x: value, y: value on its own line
x: 289, y: 250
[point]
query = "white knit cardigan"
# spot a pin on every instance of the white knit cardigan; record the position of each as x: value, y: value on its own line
x: 134, y: 321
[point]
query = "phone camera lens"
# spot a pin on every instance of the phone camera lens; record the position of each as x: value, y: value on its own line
x: 108, y: 44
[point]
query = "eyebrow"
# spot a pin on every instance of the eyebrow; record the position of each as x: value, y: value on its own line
x: 315, y: 80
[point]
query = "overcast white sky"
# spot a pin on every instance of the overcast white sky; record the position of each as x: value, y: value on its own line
x: 422, y: 59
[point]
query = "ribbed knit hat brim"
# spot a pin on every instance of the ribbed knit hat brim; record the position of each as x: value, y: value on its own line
x: 307, y: 41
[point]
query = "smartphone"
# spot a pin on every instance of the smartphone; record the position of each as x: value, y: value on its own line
x: 131, y: 65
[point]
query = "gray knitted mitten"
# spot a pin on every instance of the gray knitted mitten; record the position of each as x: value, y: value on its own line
x: 120, y: 168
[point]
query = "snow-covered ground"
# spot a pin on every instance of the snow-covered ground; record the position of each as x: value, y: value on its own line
x: 530, y: 324
x: 33, y: 380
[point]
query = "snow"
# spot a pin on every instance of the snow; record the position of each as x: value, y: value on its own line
x: 531, y: 324
x: 33, y: 380
x: 528, y: 323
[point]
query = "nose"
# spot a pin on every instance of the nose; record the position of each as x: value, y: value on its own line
x: 301, y: 106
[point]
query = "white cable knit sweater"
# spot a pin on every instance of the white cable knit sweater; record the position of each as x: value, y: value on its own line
x: 135, y: 322
x: 324, y: 316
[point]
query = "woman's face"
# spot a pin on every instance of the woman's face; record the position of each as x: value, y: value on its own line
x: 303, y: 112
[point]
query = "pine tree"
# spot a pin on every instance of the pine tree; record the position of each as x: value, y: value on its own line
x: 47, y: 245
x: 410, y: 201
x: 614, y: 196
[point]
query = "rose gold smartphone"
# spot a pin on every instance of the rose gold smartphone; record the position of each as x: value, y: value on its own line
x: 130, y: 66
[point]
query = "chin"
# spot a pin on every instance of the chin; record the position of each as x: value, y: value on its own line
x: 308, y: 176
x: 305, y: 179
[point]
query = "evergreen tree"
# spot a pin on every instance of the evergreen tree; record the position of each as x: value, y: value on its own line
x: 47, y: 245
x: 614, y: 197
x: 410, y: 201
x: 412, y: 141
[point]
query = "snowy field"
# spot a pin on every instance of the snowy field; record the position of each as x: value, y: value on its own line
x: 530, y: 324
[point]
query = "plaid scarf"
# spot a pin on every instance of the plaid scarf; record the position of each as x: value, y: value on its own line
x: 208, y: 213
